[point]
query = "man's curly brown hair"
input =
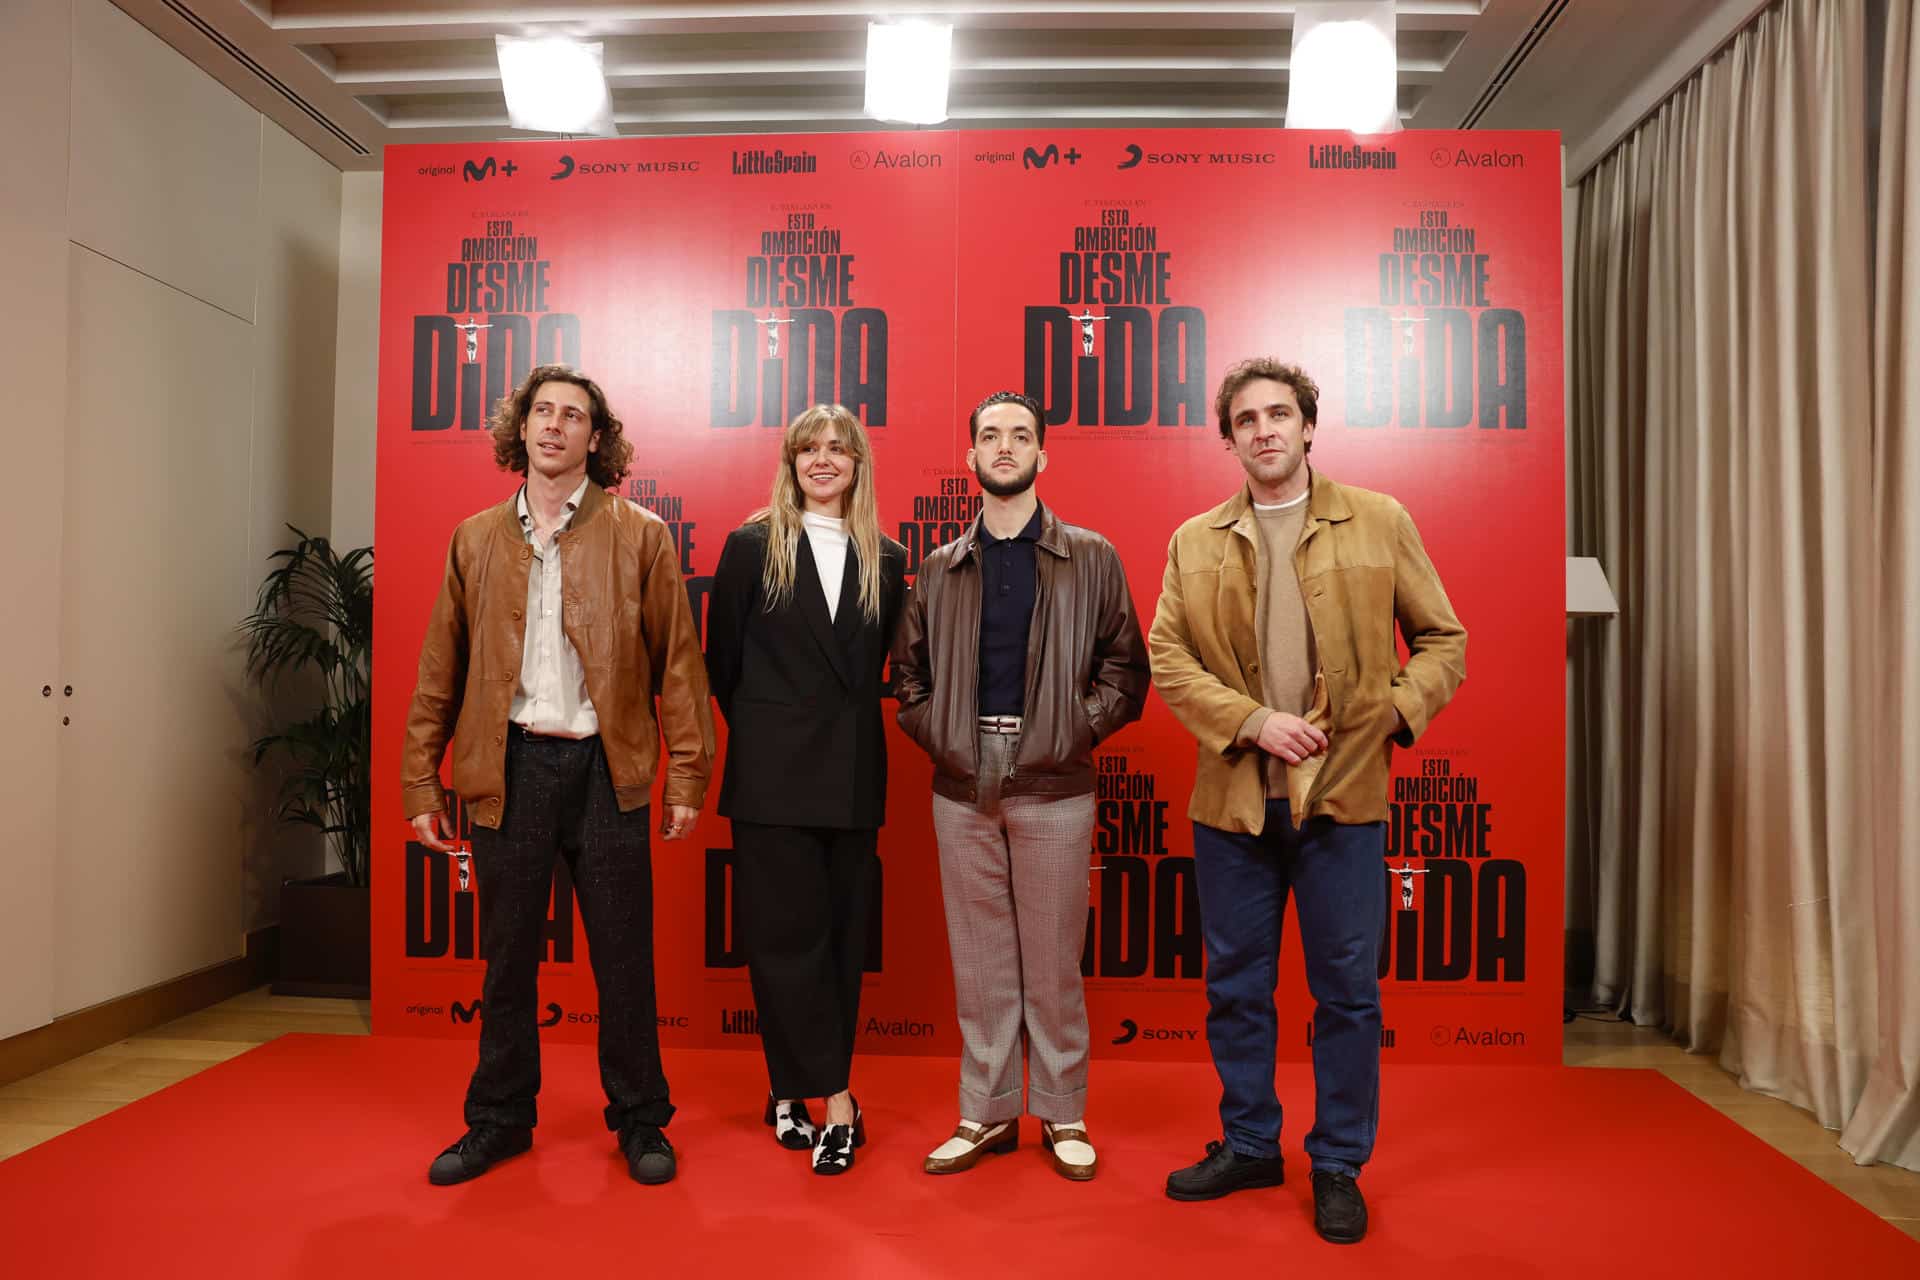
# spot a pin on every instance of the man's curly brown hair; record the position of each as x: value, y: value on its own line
x: 606, y: 466
x: 1305, y: 390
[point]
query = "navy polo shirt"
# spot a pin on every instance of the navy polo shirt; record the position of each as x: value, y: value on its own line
x: 1009, y: 583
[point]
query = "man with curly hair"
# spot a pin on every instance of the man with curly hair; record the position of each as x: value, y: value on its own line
x: 562, y: 618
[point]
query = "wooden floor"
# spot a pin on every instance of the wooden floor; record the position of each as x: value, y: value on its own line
x: 42, y: 1106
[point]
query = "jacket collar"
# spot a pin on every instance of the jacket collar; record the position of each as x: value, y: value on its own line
x: 1326, y: 501
x: 592, y: 500
x: 1052, y: 538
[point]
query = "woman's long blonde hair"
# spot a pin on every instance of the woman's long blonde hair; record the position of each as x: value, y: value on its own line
x: 782, y: 515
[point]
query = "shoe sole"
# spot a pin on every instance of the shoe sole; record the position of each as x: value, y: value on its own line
x: 1335, y: 1238
x: 649, y: 1179
x: 1251, y: 1185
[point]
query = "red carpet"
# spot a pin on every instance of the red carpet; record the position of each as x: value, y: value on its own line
x: 307, y: 1157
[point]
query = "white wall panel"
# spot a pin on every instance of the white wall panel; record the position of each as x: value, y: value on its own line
x: 35, y: 60
x: 154, y: 770
x: 166, y: 162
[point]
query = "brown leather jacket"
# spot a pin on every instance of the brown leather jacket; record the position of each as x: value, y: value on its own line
x: 624, y: 611
x: 1086, y: 663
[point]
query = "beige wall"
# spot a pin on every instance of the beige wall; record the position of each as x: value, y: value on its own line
x: 35, y: 59
x: 181, y: 254
x: 357, y: 363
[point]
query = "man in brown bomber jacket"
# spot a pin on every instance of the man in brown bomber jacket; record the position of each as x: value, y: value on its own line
x: 1274, y: 645
x: 1017, y: 654
x: 562, y: 618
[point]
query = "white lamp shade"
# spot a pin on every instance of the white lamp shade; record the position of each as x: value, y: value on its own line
x: 555, y: 85
x: 908, y: 64
x: 1344, y: 70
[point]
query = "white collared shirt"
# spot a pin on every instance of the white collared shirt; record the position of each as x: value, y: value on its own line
x: 551, y: 696
x: 828, y: 538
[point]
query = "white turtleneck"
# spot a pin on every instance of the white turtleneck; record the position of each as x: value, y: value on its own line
x: 828, y: 538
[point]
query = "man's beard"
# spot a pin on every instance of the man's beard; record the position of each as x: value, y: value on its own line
x: 1018, y: 484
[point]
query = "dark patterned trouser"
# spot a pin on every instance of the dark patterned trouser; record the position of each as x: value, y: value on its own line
x: 560, y: 803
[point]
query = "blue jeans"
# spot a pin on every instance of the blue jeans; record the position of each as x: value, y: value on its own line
x: 1336, y: 873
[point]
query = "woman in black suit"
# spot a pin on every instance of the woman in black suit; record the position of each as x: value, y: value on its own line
x: 798, y: 626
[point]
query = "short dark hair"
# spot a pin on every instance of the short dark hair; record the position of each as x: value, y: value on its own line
x: 1026, y: 402
x: 606, y: 466
x: 1305, y: 390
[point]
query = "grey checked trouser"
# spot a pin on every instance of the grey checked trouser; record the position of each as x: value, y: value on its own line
x: 1013, y: 871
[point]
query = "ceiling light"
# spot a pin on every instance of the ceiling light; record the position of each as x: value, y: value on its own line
x: 554, y: 85
x: 907, y: 66
x: 1344, y: 71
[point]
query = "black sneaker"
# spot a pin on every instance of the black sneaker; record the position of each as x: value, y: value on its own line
x: 1223, y: 1172
x: 479, y: 1149
x: 1339, y: 1210
x: 649, y: 1154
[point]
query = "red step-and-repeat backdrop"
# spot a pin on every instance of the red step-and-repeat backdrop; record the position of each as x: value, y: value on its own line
x: 716, y: 286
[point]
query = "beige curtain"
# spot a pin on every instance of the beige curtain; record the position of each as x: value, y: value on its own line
x: 1733, y: 833
x: 1886, y: 1123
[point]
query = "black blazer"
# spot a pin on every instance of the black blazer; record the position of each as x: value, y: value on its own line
x: 801, y: 691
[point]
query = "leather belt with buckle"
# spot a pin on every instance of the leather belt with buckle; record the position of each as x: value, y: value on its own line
x: 1000, y: 724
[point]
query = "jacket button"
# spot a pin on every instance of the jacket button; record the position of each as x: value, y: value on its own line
x: 516, y: 615
x: 1254, y: 667
x: 496, y: 739
x: 526, y: 553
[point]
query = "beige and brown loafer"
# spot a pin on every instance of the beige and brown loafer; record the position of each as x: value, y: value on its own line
x: 1073, y: 1155
x: 971, y: 1141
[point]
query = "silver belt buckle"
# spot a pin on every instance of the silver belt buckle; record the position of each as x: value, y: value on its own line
x: 1000, y: 724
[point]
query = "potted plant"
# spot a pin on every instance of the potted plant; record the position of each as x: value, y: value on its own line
x: 315, y: 614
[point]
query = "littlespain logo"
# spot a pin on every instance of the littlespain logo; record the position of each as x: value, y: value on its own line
x: 771, y: 163
x: 1331, y: 155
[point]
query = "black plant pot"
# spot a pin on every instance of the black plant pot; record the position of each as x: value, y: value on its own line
x: 326, y: 934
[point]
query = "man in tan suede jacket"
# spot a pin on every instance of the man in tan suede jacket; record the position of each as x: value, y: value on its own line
x: 1274, y: 645
x: 562, y: 618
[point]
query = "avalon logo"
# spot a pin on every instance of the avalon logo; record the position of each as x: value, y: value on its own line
x: 911, y: 1028
x: 472, y: 172
x: 1461, y: 158
x: 1477, y: 1037
x: 885, y: 159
